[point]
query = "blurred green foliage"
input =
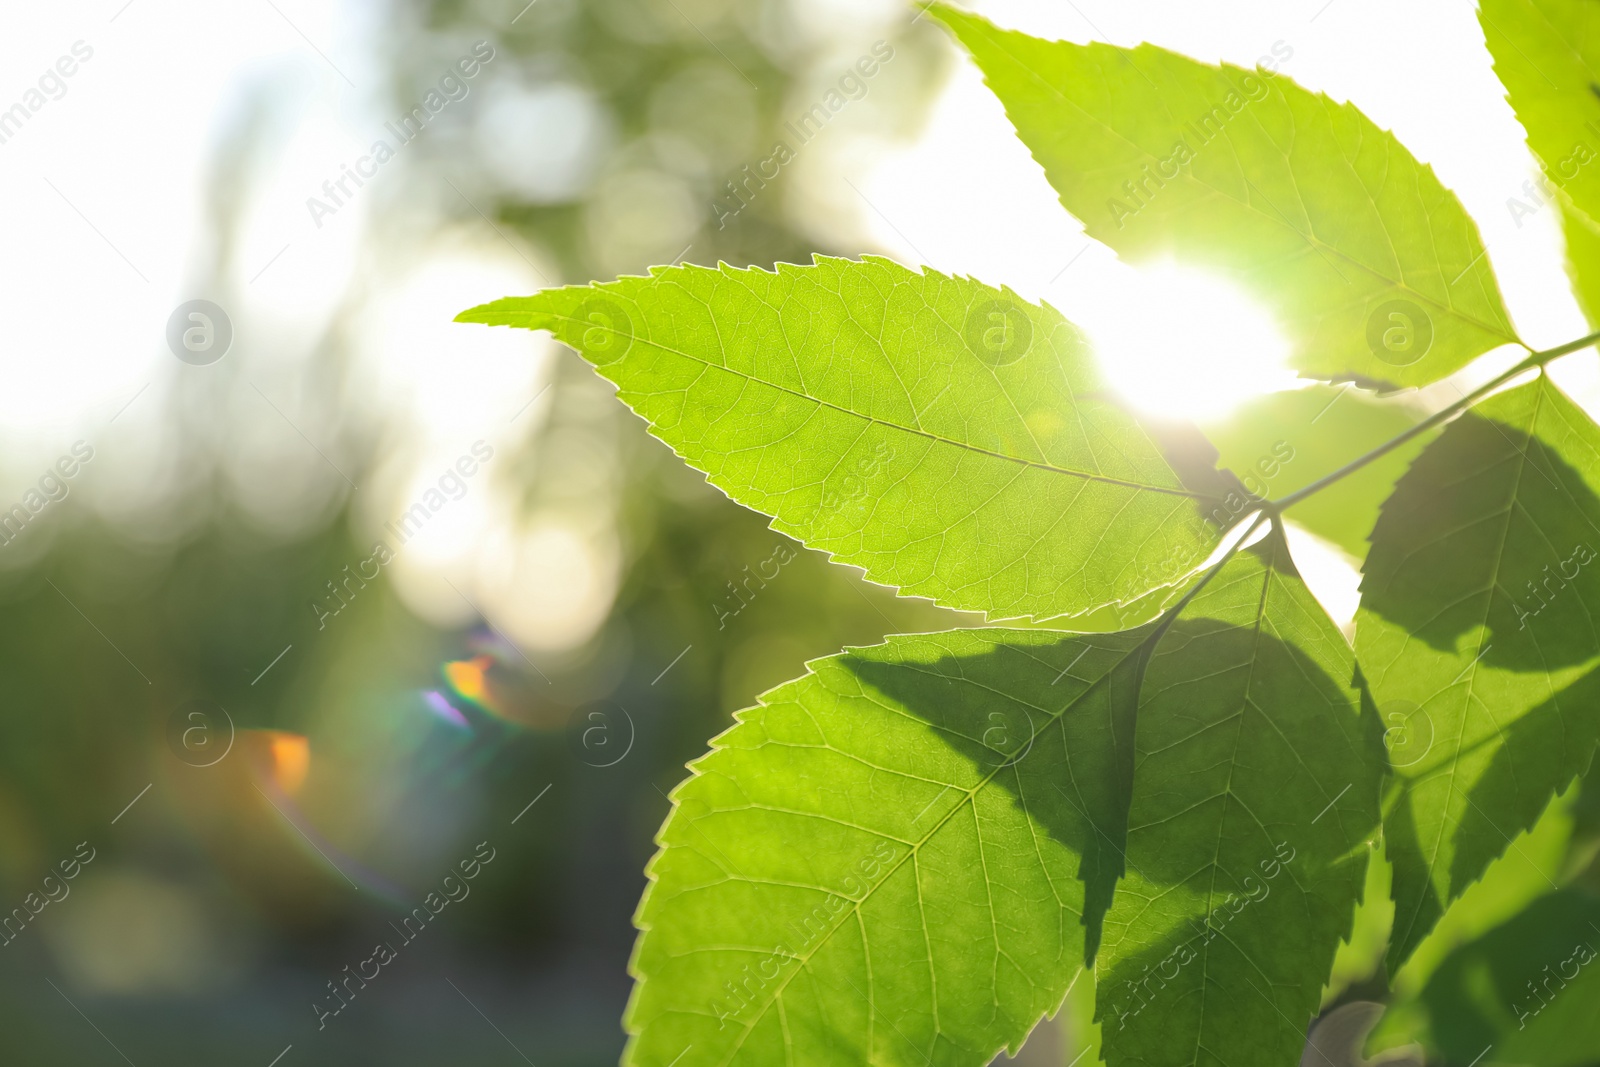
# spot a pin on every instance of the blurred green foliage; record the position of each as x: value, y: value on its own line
x: 107, y: 633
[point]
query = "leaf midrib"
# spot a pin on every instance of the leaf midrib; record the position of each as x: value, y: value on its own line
x: 915, y: 431
x: 1472, y: 668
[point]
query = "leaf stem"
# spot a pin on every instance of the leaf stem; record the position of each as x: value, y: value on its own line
x: 1255, y: 519
x: 1535, y: 359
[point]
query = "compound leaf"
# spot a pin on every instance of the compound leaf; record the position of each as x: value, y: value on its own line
x: 1477, y: 632
x: 892, y: 859
x: 1255, y: 806
x: 949, y: 438
x: 1373, y: 268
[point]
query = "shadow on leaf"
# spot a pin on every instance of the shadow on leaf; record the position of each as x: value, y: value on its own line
x: 1490, y: 528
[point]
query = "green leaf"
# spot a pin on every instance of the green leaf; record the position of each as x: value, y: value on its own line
x: 1547, y: 54
x: 892, y: 859
x: 1528, y: 989
x: 1478, y: 636
x: 1254, y: 810
x: 1534, y: 864
x: 1583, y: 259
x: 1372, y: 267
x: 1283, y: 441
x: 951, y: 439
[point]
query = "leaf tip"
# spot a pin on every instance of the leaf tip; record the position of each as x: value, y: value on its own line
x: 482, y: 314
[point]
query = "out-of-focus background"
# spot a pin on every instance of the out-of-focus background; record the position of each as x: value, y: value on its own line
x: 273, y: 738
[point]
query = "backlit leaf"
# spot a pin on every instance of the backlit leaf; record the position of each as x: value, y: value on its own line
x: 1255, y: 805
x: 951, y: 439
x: 1370, y: 265
x: 1478, y: 636
x: 890, y: 860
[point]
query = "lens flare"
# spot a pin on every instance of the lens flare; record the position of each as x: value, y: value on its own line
x: 291, y: 759
x: 470, y: 679
x: 493, y: 680
x: 440, y: 705
x: 279, y: 764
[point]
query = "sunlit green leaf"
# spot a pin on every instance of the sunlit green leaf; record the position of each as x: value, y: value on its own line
x: 1547, y: 54
x: 1478, y: 635
x: 1371, y: 266
x: 1255, y: 805
x: 1583, y: 259
x: 949, y: 438
x: 891, y: 860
